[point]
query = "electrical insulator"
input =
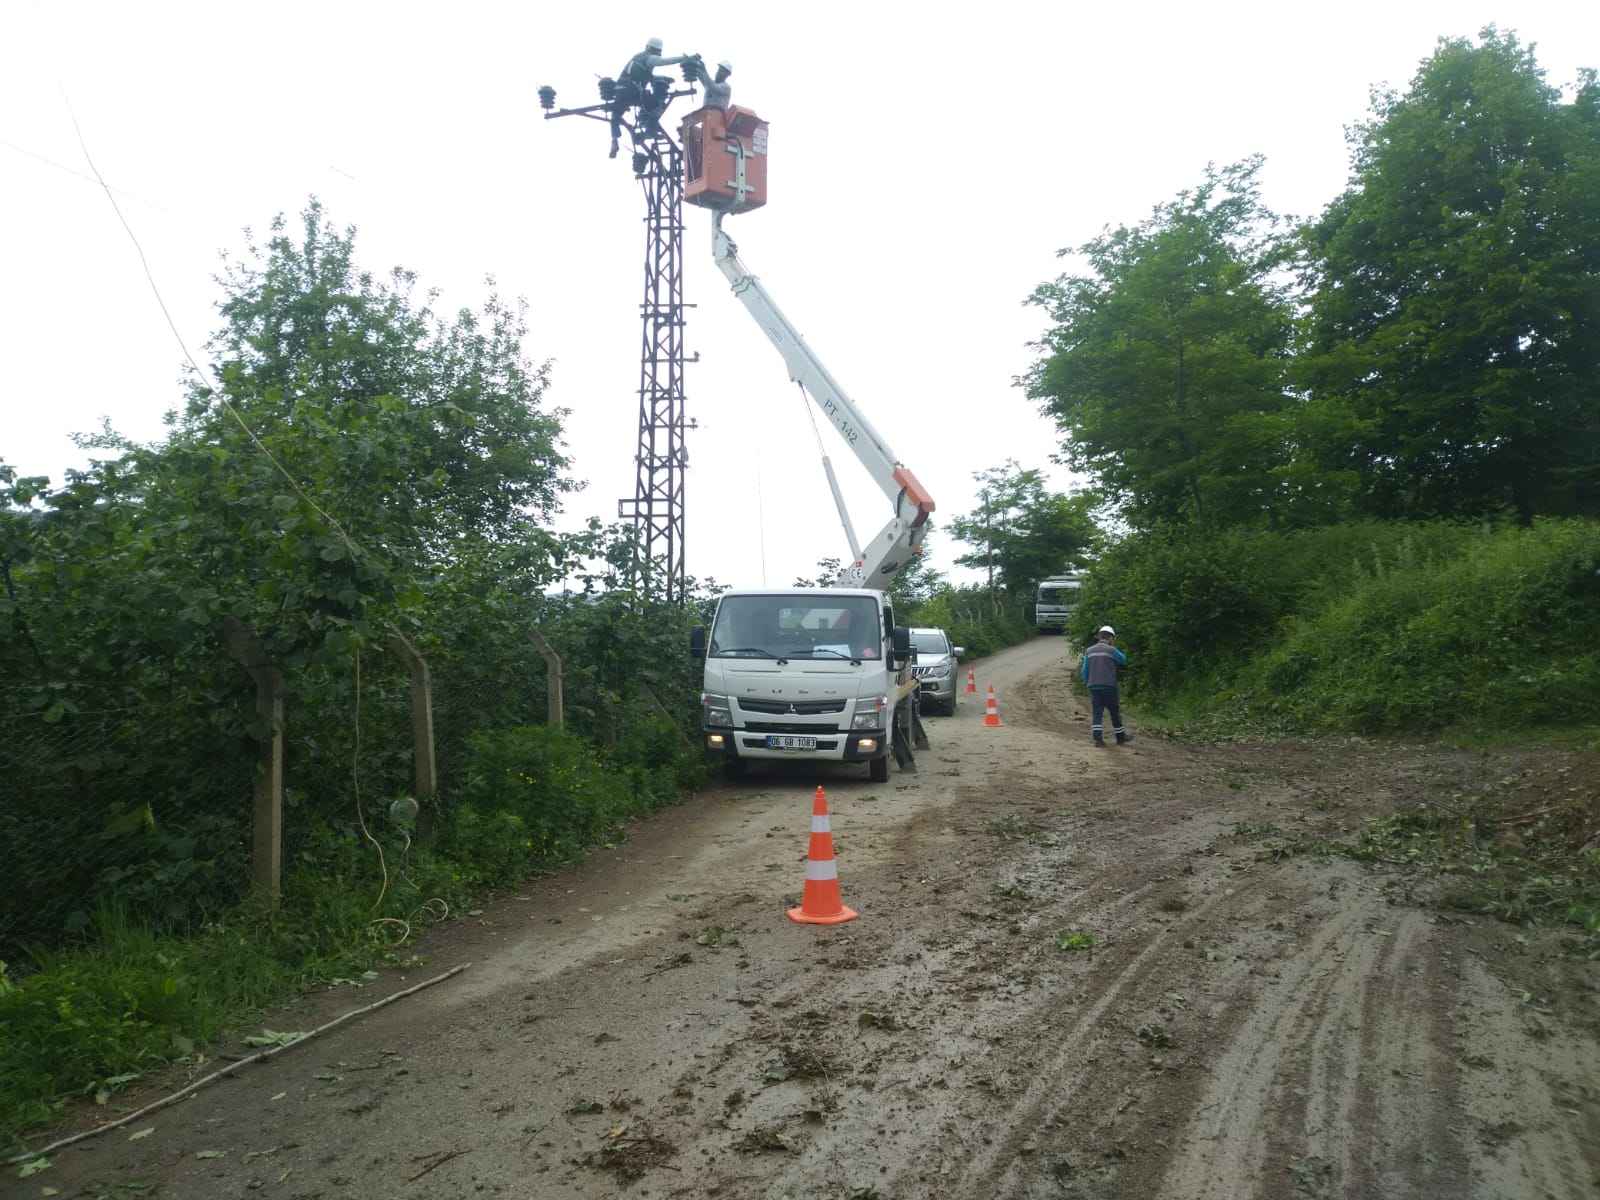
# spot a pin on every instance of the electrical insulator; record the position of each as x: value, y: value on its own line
x: 547, y: 97
x: 662, y: 86
x: 608, y: 89
x: 640, y: 162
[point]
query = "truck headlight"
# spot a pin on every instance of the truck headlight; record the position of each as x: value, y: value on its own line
x: 869, y: 713
x: 715, y: 711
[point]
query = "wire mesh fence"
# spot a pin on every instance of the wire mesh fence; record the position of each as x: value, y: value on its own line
x: 148, y: 803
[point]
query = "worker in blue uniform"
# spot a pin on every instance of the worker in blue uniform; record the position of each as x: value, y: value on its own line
x: 1098, y: 668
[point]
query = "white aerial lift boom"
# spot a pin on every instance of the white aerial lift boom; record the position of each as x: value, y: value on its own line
x: 725, y: 167
x: 876, y: 564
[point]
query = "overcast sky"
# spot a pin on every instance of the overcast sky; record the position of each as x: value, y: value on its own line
x: 927, y: 162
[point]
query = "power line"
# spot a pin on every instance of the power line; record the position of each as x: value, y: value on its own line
x: 350, y: 543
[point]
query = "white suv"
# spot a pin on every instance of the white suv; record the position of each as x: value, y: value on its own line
x: 935, y: 670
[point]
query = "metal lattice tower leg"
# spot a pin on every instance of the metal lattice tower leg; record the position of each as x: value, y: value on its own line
x: 656, y: 507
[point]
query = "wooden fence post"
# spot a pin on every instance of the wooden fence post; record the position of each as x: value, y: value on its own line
x: 266, y: 857
x: 427, y: 770
x: 552, y: 661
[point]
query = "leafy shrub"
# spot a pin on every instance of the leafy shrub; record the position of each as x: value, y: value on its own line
x: 1196, y: 604
x: 1372, y: 625
x: 533, y: 796
x: 1507, y: 630
x: 979, y: 622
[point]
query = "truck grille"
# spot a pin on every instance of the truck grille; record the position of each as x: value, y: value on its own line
x: 798, y: 708
x: 788, y: 727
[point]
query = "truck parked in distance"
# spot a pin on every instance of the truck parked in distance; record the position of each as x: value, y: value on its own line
x: 1057, y: 597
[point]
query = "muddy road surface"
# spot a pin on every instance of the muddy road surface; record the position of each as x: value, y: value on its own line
x: 1076, y: 973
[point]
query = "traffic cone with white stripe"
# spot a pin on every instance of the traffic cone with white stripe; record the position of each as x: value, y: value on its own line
x: 819, y: 901
x: 972, y: 682
x: 991, y: 710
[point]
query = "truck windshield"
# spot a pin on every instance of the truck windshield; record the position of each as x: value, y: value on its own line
x: 930, y: 643
x: 797, y: 626
x: 1058, y: 595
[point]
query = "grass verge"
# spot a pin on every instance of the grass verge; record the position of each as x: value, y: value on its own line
x: 88, y: 1019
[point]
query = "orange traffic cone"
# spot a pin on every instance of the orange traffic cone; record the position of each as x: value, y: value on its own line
x: 972, y: 682
x: 819, y: 902
x: 991, y: 710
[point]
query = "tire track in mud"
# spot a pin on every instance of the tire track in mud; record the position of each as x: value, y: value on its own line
x: 1301, y: 1094
x: 1068, y: 1004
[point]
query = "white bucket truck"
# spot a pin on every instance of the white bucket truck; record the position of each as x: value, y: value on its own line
x: 818, y: 673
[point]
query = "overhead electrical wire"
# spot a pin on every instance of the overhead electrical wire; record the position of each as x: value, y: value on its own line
x: 144, y: 262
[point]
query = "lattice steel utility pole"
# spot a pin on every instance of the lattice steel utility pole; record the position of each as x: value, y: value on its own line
x: 657, y: 504
x: 660, y: 462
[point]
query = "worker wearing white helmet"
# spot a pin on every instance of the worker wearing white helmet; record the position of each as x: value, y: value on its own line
x: 719, y: 92
x: 1098, y: 668
x: 636, y: 87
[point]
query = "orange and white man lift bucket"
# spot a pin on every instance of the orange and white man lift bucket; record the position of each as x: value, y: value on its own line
x: 991, y: 710
x: 819, y: 901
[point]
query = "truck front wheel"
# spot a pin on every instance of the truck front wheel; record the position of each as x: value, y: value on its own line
x: 878, y: 770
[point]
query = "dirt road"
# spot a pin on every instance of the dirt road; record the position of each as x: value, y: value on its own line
x: 649, y: 1024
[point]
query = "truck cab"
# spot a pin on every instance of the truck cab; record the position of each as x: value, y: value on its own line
x: 1056, y: 599
x: 808, y: 673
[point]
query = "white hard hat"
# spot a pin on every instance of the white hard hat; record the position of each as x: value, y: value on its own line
x: 1106, y: 629
x: 725, y: 65
x: 654, y: 46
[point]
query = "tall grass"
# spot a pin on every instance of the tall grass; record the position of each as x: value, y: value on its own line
x: 1505, y: 630
x: 1370, y: 626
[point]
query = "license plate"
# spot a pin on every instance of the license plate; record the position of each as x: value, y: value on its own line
x: 786, y: 741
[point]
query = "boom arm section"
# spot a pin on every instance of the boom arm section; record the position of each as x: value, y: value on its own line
x: 899, y: 540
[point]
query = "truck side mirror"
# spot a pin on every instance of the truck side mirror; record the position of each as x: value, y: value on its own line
x: 900, y: 642
x: 697, y: 642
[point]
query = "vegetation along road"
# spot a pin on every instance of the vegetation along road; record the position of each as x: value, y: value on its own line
x: 1133, y: 972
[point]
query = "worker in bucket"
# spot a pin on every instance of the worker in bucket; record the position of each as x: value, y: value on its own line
x: 636, y: 87
x: 1098, y: 668
x: 719, y: 92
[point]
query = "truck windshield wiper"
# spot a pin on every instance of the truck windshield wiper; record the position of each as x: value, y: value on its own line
x: 762, y: 651
x: 816, y: 650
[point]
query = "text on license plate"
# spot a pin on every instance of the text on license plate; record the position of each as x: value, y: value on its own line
x: 784, y: 741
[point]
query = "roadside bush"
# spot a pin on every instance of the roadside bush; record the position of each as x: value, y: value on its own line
x: 536, y: 795
x: 1367, y: 626
x: 1196, y: 604
x: 977, y: 621
x: 1505, y: 632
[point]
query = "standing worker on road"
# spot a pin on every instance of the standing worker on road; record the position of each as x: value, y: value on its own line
x: 1100, y: 663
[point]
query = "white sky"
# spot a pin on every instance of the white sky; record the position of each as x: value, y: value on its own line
x: 927, y: 162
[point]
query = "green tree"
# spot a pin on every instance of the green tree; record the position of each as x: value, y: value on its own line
x: 1454, y: 331
x: 1021, y: 531
x: 1165, y: 365
x: 359, y: 464
x: 918, y: 581
x: 827, y: 575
